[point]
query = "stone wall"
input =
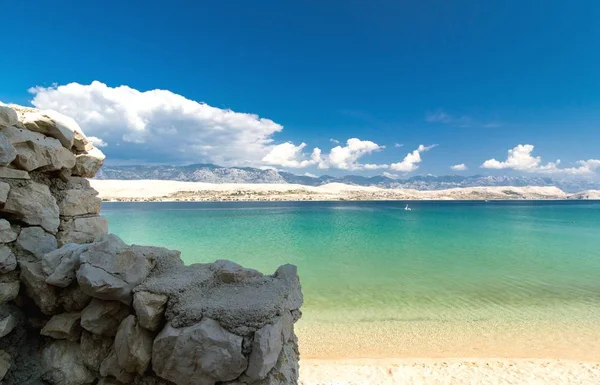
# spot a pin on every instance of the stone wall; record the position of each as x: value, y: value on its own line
x: 80, y: 306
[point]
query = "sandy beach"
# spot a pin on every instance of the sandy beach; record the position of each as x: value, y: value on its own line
x: 448, y: 371
x: 169, y: 191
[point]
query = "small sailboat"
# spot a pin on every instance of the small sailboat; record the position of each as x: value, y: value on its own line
x: 407, y: 208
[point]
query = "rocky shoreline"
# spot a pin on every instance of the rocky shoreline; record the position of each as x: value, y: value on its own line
x: 80, y: 306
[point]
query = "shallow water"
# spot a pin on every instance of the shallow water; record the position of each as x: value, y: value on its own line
x: 391, y: 278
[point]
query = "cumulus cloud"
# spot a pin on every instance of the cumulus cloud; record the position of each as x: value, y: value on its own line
x: 346, y: 157
x: 97, y: 141
x: 289, y: 155
x: 390, y: 175
x: 398, y: 145
x: 459, y: 167
x: 334, y: 141
x: 147, y: 125
x: 411, y: 160
x: 521, y: 158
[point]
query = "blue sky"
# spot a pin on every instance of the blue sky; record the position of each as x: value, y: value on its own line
x: 475, y: 78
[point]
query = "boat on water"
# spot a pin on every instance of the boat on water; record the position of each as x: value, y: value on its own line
x: 407, y: 208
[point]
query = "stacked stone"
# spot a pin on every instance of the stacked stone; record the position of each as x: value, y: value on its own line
x: 80, y: 306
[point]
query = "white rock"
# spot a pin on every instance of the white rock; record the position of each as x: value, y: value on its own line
x: 34, y: 205
x: 150, y: 308
x: 36, y: 151
x: 7, y: 324
x: 82, y: 143
x: 289, y: 273
x: 73, y: 299
x: 110, y: 367
x: 8, y: 116
x: 4, y: 364
x: 8, y: 261
x: 88, y: 164
x: 113, y: 276
x: 133, y: 346
x: 9, y: 286
x: 63, y: 364
x: 231, y: 272
x: 4, y: 190
x: 11, y: 173
x: 7, y: 234
x: 61, y: 265
x: 94, y: 349
x: 267, y: 344
x: 103, y: 317
x: 201, y: 354
x: 53, y: 124
x: 37, y: 289
x: 82, y: 230
x: 65, y: 326
x: 7, y: 151
x: 76, y: 202
x: 36, y: 241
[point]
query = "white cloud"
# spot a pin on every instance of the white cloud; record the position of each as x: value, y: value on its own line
x: 411, y: 160
x: 159, y: 124
x: 334, y: 141
x: 398, y: 145
x: 520, y: 158
x: 97, y: 141
x: 439, y: 117
x: 459, y: 167
x: 390, y: 175
x: 346, y: 157
x: 289, y: 155
x: 308, y: 174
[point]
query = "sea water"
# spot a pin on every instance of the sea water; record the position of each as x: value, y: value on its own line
x: 391, y: 282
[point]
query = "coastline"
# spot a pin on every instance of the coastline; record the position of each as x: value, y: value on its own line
x: 176, y: 191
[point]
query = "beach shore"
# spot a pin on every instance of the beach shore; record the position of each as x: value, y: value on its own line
x: 448, y: 371
x: 172, y: 191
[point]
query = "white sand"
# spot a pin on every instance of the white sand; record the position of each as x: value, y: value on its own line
x: 161, y: 190
x: 447, y: 371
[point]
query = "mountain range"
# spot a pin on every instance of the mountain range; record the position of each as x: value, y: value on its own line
x: 210, y: 173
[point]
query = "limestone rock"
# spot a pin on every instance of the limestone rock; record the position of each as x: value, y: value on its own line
x: 113, y: 277
x: 7, y: 233
x: 63, y: 364
x: 110, y: 367
x: 133, y: 346
x: 7, y: 151
x: 61, y: 265
x: 8, y: 116
x: 53, y: 124
x: 286, y: 371
x: 34, y: 280
x: 36, y: 151
x: 34, y: 205
x: 94, y: 349
x: 231, y: 272
x: 78, y: 202
x: 4, y: 364
x: 8, y: 262
x: 9, y: 286
x: 88, y: 164
x: 4, y: 190
x: 103, y: 317
x: 63, y: 326
x: 289, y: 273
x: 82, y: 230
x: 268, y: 342
x: 201, y: 354
x: 150, y: 309
x: 36, y: 241
x: 11, y: 173
x: 74, y: 299
x: 7, y: 324
x: 81, y: 143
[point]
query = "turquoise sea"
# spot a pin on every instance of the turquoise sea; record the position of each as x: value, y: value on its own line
x: 372, y: 271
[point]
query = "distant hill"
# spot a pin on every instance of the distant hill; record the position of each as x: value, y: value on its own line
x: 210, y: 173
